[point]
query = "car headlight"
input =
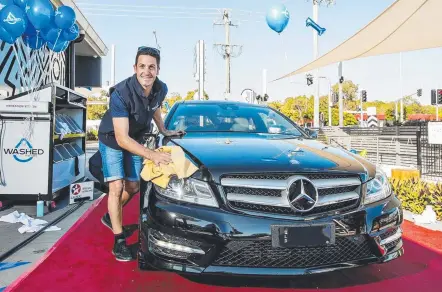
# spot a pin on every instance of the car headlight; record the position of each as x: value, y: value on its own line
x: 189, y: 190
x: 378, y: 188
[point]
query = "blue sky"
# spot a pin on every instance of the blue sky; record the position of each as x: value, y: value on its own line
x: 262, y: 47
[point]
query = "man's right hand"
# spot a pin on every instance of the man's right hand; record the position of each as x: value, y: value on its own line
x: 159, y: 157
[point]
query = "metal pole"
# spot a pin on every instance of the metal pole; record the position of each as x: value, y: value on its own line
x: 264, y: 82
x: 315, y: 56
x: 341, y: 98
x: 227, y: 28
x: 329, y: 104
x: 201, y: 70
x: 362, y: 113
x: 113, y: 66
x: 402, y: 96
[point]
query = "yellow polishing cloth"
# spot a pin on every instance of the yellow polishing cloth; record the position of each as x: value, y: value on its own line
x: 160, y: 175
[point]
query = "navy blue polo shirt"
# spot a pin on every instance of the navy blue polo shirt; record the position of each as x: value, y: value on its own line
x: 127, y: 100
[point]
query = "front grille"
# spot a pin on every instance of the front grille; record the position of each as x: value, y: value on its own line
x: 260, y: 254
x: 244, y: 192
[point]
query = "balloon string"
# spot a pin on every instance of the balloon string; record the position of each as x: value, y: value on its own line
x: 26, y: 134
x: 283, y: 47
x: 37, y: 93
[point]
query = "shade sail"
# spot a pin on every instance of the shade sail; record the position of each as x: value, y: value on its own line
x: 406, y: 25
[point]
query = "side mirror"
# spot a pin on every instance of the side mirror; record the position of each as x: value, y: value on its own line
x: 312, y: 133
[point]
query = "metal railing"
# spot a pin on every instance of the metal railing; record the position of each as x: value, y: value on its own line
x: 402, y: 146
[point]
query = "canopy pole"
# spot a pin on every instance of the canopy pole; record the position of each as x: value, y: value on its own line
x: 341, y: 98
x: 315, y: 56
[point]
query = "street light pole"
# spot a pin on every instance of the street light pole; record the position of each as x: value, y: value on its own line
x: 329, y: 101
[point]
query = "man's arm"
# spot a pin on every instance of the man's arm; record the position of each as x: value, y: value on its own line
x: 161, y: 128
x: 120, y: 120
x: 121, y: 128
x: 159, y: 121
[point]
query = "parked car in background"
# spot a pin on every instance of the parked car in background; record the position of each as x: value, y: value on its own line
x: 268, y: 199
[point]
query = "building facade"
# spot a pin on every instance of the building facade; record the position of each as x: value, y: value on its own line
x: 23, y: 69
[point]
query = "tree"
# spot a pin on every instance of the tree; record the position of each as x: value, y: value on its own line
x: 191, y: 95
x: 170, y: 101
x: 350, y: 94
x: 97, y: 111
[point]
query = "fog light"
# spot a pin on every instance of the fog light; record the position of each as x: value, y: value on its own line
x: 386, y: 221
x: 173, y: 246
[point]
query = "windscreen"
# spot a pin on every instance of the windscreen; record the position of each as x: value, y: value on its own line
x: 230, y: 118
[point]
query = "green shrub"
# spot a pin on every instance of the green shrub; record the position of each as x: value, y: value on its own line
x: 92, y: 135
x: 416, y: 194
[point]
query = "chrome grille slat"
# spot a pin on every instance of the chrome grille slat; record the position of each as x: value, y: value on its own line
x: 282, y: 184
x: 283, y: 202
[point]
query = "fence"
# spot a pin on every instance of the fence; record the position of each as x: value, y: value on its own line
x: 394, y: 146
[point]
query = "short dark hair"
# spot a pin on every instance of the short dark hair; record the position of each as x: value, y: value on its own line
x: 148, y: 51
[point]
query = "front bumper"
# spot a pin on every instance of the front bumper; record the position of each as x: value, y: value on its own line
x: 196, y: 239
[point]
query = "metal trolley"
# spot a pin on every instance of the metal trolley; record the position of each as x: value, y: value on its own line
x: 43, y: 144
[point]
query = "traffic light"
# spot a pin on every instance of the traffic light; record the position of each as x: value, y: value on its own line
x: 419, y: 92
x: 335, y: 97
x: 364, y: 96
x: 436, y: 96
x: 309, y: 79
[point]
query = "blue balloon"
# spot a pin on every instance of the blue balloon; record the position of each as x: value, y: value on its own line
x: 34, y: 42
x: 40, y: 13
x: 5, y: 36
x: 13, y: 20
x: 278, y: 17
x: 71, y: 33
x: 4, y: 3
x: 30, y: 30
x: 59, y: 46
x: 64, y: 17
x: 21, y: 3
x: 52, y: 35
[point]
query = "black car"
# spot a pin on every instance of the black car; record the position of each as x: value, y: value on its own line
x: 267, y: 199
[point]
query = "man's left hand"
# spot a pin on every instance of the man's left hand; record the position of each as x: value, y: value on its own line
x: 169, y: 133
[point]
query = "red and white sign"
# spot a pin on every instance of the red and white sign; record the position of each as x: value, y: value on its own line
x: 81, y: 190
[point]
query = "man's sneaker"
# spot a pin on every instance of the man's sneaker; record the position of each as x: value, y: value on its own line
x: 122, y: 252
x: 107, y: 222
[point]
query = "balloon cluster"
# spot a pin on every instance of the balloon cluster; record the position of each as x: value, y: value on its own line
x: 38, y: 23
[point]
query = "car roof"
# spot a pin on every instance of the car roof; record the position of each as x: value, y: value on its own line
x: 219, y: 102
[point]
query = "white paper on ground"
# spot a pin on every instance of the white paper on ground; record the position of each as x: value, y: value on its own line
x: 427, y: 217
x: 29, y: 224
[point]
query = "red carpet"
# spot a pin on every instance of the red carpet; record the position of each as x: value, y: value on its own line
x: 82, y: 261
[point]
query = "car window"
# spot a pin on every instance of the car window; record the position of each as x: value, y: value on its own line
x: 212, y: 117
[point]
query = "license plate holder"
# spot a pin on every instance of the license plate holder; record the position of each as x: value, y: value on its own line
x: 303, y: 235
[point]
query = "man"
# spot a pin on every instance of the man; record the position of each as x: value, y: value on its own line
x: 133, y: 104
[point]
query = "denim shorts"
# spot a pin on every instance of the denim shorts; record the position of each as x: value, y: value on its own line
x: 119, y: 164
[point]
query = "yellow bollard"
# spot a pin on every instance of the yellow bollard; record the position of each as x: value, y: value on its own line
x: 405, y: 174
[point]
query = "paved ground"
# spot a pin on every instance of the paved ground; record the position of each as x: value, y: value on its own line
x: 10, y: 237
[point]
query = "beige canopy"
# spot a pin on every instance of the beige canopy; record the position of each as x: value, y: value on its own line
x: 406, y: 25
